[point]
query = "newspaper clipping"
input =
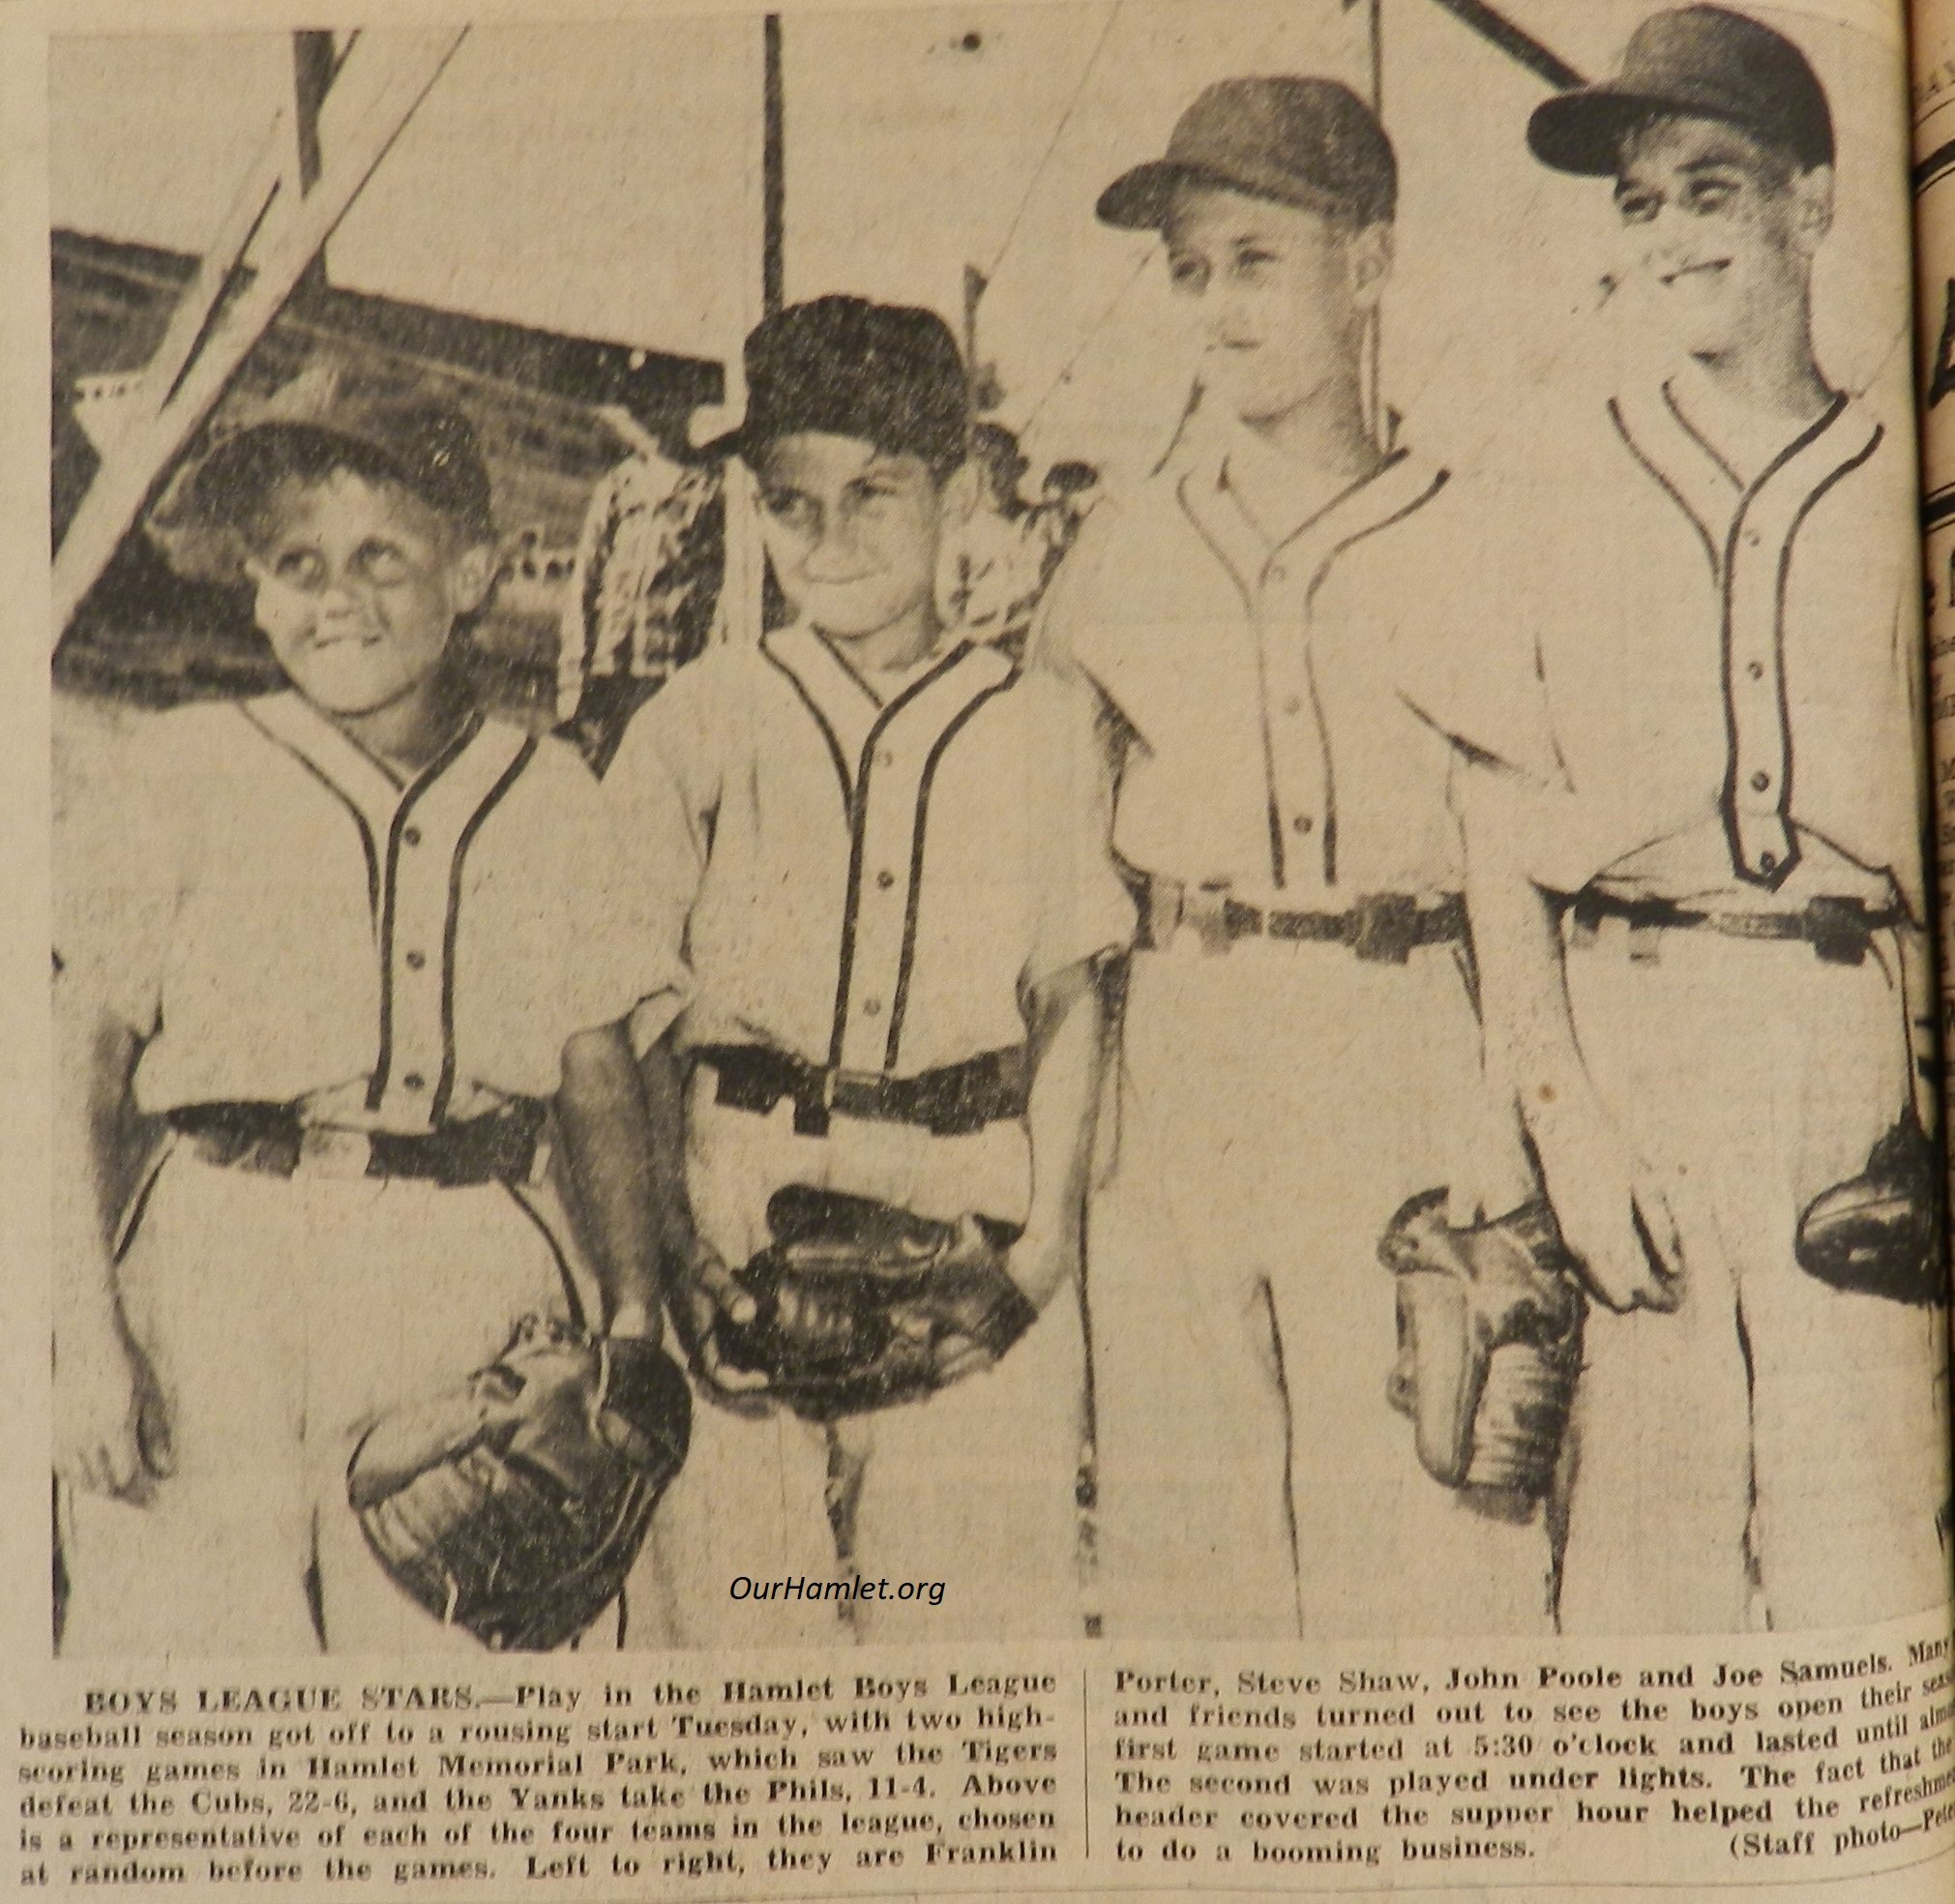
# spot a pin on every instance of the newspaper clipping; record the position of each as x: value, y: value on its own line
x: 991, y: 950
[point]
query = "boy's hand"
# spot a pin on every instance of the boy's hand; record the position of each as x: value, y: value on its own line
x: 704, y: 1293
x: 112, y: 1433
x: 1610, y: 1206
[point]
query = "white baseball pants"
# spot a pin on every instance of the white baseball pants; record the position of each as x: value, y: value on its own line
x: 1766, y: 1455
x: 1278, y: 1103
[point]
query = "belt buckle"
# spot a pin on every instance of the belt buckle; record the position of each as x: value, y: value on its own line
x: 334, y: 1150
x: 1205, y: 908
x: 839, y: 1077
x: 812, y: 1113
x: 1384, y: 927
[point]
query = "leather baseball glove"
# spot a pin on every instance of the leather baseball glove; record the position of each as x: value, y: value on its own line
x: 1490, y: 1342
x: 856, y: 1298
x: 515, y: 1504
x: 1882, y: 1232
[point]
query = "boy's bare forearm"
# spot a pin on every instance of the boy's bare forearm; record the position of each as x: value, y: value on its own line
x: 601, y: 1111
x: 1528, y: 1028
x: 94, y: 1063
x: 662, y: 1077
x: 1070, y: 1024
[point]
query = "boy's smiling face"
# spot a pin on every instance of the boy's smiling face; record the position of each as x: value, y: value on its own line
x: 1280, y: 293
x: 852, y: 532
x: 1721, y: 228
x: 359, y: 586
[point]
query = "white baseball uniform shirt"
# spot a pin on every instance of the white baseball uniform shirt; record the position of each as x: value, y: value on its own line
x: 279, y: 918
x: 863, y: 886
x: 1268, y: 749
x: 1724, y: 677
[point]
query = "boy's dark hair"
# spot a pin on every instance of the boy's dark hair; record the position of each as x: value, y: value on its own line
x: 881, y: 373
x: 1070, y: 477
x: 995, y: 450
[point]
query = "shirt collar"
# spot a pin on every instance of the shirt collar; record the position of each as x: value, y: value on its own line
x: 1309, y: 540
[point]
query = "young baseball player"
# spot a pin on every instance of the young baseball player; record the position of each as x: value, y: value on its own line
x: 353, y: 945
x: 1299, y: 1048
x: 896, y: 894
x: 1690, y: 689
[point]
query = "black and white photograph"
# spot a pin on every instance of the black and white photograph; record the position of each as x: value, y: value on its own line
x: 1070, y: 822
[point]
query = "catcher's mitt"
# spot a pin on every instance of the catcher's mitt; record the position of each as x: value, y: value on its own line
x: 1490, y: 1342
x: 1882, y: 1232
x: 515, y: 1504
x: 855, y: 1297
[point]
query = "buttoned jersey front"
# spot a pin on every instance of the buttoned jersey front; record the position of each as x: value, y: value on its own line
x: 1268, y: 747
x: 280, y: 919
x: 1722, y: 674
x: 867, y: 885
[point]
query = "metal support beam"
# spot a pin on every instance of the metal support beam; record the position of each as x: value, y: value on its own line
x: 773, y: 170
x: 1518, y: 45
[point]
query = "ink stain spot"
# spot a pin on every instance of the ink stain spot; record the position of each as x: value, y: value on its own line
x: 972, y: 42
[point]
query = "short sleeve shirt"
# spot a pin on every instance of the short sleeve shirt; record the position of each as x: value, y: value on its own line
x: 280, y: 919
x: 1266, y: 746
x: 1719, y: 680
x: 872, y: 886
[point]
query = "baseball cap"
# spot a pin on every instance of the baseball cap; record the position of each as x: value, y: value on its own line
x: 1308, y: 142
x: 1705, y: 61
x: 425, y: 448
x: 883, y: 373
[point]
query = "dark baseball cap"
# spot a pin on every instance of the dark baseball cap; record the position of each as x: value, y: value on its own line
x: 423, y: 447
x: 1706, y: 62
x: 882, y: 373
x: 1308, y: 142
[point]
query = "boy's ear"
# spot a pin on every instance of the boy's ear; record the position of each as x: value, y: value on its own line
x: 1367, y: 258
x: 471, y: 571
x: 1811, y: 193
x: 959, y: 495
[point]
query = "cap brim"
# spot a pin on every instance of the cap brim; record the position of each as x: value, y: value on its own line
x: 1581, y: 132
x: 1137, y: 201
x: 732, y: 443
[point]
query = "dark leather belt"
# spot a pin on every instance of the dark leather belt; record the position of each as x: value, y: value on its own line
x: 950, y: 1102
x: 499, y: 1147
x: 1840, y: 931
x: 1385, y: 927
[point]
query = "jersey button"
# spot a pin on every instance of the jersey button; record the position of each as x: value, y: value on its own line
x: 411, y: 835
x: 1302, y: 823
x: 1767, y: 862
x: 414, y: 1080
x: 1761, y: 781
x: 885, y: 757
x: 885, y: 879
x: 1293, y: 707
x: 1755, y: 669
x: 416, y: 960
x: 872, y: 1009
x: 1752, y: 538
